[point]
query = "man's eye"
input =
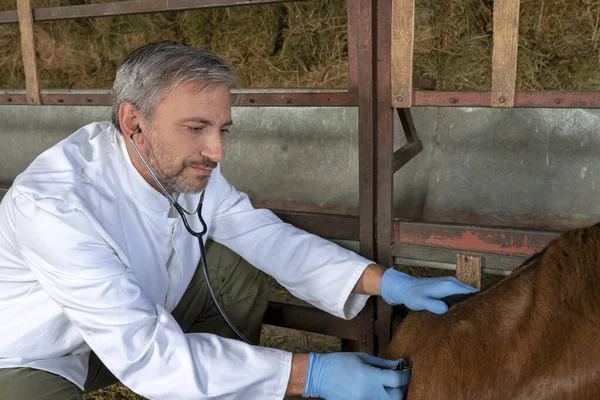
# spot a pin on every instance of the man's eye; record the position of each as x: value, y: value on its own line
x: 195, y: 128
x: 224, y: 131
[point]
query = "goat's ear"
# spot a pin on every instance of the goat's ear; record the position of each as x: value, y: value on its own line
x: 457, y: 298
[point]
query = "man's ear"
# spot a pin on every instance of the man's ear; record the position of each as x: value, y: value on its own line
x: 129, y: 118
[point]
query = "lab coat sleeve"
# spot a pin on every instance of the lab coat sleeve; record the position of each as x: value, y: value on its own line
x: 140, y: 342
x: 311, y: 268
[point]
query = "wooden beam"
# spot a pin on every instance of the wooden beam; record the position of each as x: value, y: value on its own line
x: 114, y: 8
x: 504, y: 55
x: 403, y: 38
x: 28, y: 50
x: 468, y: 270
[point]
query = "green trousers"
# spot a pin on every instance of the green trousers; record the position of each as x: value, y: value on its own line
x: 242, y: 290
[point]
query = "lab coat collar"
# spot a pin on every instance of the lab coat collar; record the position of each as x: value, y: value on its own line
x: 144, y: 195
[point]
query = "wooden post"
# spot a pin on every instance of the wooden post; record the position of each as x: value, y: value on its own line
x: 28, y: 50
x: 504, y: 55
x: 403, y: 39
x: 468, y: 270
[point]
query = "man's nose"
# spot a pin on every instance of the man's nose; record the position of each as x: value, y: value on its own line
x: 213, y: 147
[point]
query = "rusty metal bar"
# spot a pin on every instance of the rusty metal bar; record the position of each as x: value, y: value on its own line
x: 558, y: 99
x: 276, y: 98
x: 77, y: 99
x: 383, y: 128
x: 248, y: 98
x: 441, y: 98
x: 504, y: 54
x: 28, y: 52
x: 273, y: 97
x: 128, y: 8
x: 314, y: 320
x: 326, y: 225
x: 476, y: 239
x: 490, y: 262
x: 413, y: 144
x: 408, y: 125
x: 366, y: 152
x: 402, y: 32
x: 406, y: 153
x: 423, y: 82
x: 294, y: 206
x: 8, y: 17
x: 13, y: 99
x: 366, y: 134
x: 541, y: 99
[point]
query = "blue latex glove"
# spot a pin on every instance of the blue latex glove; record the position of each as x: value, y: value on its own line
x: 420, y: 293
x: 354, y: 376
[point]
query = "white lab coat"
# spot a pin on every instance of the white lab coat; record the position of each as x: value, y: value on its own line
x: 84, y: 249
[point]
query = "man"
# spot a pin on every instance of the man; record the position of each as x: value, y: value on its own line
x: 99, y: 278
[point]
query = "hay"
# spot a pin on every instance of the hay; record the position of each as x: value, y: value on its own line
x: 315, y: 44
x: 559, y: 45
x: 452, y: 43
x: 11, y: 63
x: 306, y: 44
x: 282, y: 45
x: 113, y: 392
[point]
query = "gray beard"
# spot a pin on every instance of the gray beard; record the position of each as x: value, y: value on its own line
x: 171, y: 182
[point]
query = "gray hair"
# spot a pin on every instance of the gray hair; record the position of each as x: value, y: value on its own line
x: 150, y: 71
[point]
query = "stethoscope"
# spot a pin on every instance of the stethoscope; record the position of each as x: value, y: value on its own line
x: 182, y: 211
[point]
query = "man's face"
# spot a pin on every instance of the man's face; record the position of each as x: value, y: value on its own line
x: 185, y: 137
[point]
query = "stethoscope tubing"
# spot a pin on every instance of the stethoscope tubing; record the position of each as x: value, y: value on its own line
x: 181, y: 211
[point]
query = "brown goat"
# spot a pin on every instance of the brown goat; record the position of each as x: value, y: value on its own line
x: 535, y: 335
